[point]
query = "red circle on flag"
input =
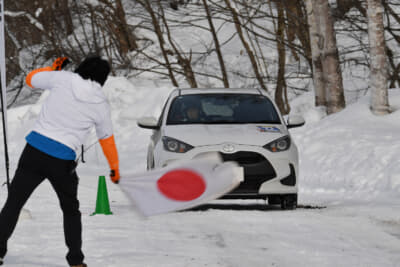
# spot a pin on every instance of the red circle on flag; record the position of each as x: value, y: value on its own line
x: 181, y: 185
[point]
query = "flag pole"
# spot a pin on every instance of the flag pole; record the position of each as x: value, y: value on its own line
x: 3, y: 88
x: 7, y: 161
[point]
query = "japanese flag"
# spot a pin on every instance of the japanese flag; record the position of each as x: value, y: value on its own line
x: 183, y: 185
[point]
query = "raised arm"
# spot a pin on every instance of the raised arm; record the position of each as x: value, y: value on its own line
x: 41, y: 78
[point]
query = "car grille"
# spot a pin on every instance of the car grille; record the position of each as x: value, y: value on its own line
x: 257, y: 170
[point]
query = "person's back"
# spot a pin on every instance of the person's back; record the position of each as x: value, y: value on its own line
x: 73, y: 106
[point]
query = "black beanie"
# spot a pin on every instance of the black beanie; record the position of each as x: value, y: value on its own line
x: 94, y: 68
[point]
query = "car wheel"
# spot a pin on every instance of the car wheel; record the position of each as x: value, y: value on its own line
x: 274, y: 200
x: 289, y: 202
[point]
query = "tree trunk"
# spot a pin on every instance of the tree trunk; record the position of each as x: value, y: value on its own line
x: 250, y: 53
x: 126, y: 37
x: 281, y: 82
x: 318, y: 78
x: 330, y: 60
x: 183, y: 61
x: 379, y: 104
x: 69, y: 26
x: 157, y: 29
x: 217, y: 45
x: 119, y: 27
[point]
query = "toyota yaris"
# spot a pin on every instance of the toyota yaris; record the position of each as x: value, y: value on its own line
x: 243, y: 125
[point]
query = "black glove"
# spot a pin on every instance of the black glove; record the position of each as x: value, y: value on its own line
x: 114, y: 175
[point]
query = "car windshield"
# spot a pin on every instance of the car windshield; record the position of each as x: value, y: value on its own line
x: 222, y: 109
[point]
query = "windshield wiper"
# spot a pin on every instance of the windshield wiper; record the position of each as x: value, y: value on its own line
x: 223, y: 122
x: 271, y: 122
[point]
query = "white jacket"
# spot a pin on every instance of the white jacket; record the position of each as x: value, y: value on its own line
x: 73, y: 107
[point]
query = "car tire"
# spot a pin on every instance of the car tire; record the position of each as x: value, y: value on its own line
x: 289, y: 202
x: 274, y: 200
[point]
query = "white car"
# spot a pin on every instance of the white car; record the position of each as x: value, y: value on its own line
x: 243, y: 125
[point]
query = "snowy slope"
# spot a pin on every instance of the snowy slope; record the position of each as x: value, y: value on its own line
x: 352, y: 153
x: 349, y: 168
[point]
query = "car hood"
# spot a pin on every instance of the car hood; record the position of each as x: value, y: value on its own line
x: 244, y: 134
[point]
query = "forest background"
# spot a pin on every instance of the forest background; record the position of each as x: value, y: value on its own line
x: 277, y: 46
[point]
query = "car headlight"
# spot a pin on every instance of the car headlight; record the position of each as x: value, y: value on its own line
x: 279, y: 145
x: 173, y: 145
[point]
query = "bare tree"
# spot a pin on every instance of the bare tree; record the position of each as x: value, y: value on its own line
x: 281, y: 88
x: 119, y: 27
x: 327, y: 74
x: 330, y: 59
x: 157, y: 28
x: 318, y: 78
x: 238, y: 25
x: 378, y: 78
x: 184, y: 61
x: 217, y: 45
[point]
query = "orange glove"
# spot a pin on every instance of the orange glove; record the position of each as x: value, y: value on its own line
x: 110, y: 151
x: 60, y: 63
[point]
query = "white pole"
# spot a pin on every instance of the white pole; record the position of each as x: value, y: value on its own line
x: 3, y: 98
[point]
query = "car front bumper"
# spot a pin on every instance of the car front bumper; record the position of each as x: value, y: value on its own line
x: 265, y: 172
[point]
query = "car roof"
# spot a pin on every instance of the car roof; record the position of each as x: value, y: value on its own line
x: 188, y: 91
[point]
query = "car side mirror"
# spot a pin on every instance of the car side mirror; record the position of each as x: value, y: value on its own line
x: 148, y: 123
x: 295, y: 121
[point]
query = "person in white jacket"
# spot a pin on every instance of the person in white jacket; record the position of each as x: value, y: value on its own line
x: 75, y: 104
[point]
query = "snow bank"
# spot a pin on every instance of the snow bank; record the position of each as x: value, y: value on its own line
x: 351, y: 154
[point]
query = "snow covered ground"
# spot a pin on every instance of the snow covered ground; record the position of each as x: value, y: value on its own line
x: 349, y: 197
